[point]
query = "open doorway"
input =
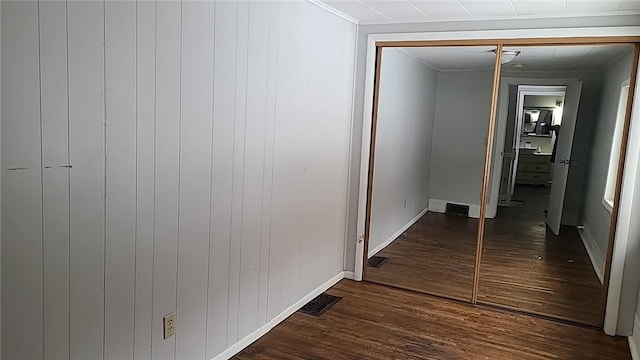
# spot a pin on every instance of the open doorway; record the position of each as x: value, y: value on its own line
x: 531, y: 141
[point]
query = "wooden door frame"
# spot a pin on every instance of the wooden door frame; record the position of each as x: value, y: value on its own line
x: 624, y: 35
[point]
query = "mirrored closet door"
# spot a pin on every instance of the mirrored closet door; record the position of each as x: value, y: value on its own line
x: 428, y: 156
x: 559, y: 131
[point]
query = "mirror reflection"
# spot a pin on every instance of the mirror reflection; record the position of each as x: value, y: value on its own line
x: 557, y: 143
x: 432, y: 122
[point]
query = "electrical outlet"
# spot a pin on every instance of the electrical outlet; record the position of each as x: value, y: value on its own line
x: 169, y: 324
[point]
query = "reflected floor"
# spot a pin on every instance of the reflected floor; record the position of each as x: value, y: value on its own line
x: 436, y: 255
x: 526, y: 267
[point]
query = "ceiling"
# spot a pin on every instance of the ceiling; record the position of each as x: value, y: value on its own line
x: 404, y: 11
x: 534, y: 58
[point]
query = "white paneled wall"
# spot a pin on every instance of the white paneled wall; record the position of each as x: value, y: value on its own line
x: 167, y: 156
x: 403, y: 150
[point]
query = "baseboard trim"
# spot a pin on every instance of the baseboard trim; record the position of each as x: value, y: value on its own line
x: 440, y: 206
x: 593, y: 251
x: 350, y: 275
x: 397, y: 234
x: 634, y: 339
x: 249, y: 339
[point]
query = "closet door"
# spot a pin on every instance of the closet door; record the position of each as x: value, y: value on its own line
x: 546, y: 244
x: 428, y: 155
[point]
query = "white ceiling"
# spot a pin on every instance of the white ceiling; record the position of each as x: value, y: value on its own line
x: 535, y: 58
x: 403, y: 11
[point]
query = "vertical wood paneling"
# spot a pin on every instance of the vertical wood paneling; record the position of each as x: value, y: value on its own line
x: 237, y: 193
x: 55, y: 155
x: 169, y: 156
x: 168, y: 56
x: 269, y: 128
x: 307, y: 236
x: 317, y: 180
x: 221, y: 182
x: 120, y: 77
x: 0, y: 185
x: 145, y: 168
x: 294, y: 156
x: 22, y: 302
x: 256, y: 105
x: 195, y: 178
x: 87, y: 180
x: 280, y: 18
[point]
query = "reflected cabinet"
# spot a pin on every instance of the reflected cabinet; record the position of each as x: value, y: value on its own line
x: 494, y: 171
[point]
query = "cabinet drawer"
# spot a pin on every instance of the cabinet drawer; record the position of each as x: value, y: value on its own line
x: 542, y: 159
x: 526, y: 158
x: 538, y: 176
x: 539, y: 168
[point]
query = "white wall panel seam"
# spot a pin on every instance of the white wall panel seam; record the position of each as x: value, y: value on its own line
x: 135, y: 222
x: 264, y: 170
x: 213, y: 106
x: 66, y: 14
x: 155, y: 166
x: 106, y: 161
x: 175, y: 347
x: 274, y: 79
x: 41, y: 180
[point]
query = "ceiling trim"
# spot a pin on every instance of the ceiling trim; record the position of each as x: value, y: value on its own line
x: 498, y: 18
x: 417, y: 59
x: 514, y: 42
x: 334, y: 11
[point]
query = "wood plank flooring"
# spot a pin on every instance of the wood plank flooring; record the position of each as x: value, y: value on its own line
x: 526, y: 267
x: 436, y: 255
x: 378, y: 322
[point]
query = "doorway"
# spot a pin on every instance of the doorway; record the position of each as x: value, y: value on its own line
x: 535, y: 115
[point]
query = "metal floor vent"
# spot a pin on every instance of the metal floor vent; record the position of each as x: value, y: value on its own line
x: 457, y: 209
x: 320, y: 304
x: 376, y: 261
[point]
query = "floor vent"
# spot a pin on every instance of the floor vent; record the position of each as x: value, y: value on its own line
x: 457, y: 209
x: 319, y: 304
x: 376, y: 261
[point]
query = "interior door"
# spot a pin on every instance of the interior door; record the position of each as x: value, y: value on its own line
x: 510, y: 152
x: 563, y: 156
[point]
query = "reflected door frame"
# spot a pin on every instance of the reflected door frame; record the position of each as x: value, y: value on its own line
x: 525, y: 90
x: 592, y: 36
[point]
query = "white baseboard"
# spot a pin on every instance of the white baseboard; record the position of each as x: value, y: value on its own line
x: 595, y: 255
x: 249, y: 339
x: 393, y: 237
x: 349, y: 275
x: 634, y: 339
x: 440, y: 206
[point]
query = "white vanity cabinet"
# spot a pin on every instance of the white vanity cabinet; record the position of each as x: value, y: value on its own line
x: 534, y: 168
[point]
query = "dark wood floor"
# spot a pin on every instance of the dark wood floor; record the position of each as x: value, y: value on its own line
x: 526, y: 267
x: 436, y: 255
x: 379, y: 322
